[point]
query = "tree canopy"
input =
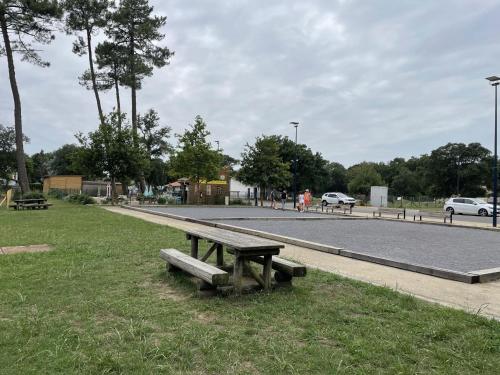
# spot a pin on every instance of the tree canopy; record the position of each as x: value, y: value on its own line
x: 195, y: 158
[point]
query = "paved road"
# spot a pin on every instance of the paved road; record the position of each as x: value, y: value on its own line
x: 452, y: 248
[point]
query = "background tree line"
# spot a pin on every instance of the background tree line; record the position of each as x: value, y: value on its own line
x: 453, y: 169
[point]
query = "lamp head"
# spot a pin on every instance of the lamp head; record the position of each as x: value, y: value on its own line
x: 494, y: 80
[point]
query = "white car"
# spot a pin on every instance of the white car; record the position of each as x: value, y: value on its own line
x: 337, y: 198
x: 469, y: 206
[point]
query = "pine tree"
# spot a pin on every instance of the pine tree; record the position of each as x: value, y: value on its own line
x: 134, y: 27
x: 87, y: 16
x: 23, y: 22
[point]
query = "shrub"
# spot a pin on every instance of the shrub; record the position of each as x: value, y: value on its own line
x: 80, y: 199
x: 34, y: 195
x: 162, y: 200
x: 56, y: 193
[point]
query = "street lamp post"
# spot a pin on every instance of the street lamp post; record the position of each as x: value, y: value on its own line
x: 296, y: 125
x: 495, y: 81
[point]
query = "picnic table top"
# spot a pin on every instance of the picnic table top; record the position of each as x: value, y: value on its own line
x: 238, y: 241
x: 30, y: 200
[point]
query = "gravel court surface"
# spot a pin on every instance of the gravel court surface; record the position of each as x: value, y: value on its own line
x: 456, y: 249
x: 236, y: 212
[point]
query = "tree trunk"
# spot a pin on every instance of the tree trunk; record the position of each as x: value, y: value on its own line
x: 18, y: 122
x: 92, y: 75
x: 118, y: 104
x: 133, y: 90
x: 113, y: 191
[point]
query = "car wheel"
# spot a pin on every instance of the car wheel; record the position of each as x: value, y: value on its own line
x: 483, y: 212
x: 450, y: 210
x: 340, y: 202
x: 324, y: 203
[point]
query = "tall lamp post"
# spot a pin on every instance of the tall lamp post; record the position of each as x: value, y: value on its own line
x: 495, y: 81
x: 296, y: 125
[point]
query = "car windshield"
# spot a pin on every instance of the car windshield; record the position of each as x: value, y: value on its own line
x: 341, y: 195
x: 480, y: 201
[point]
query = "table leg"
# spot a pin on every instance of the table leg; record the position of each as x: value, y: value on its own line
x: 220, y: 256
x: 194, y: 247
x: 268, y: 263
x: 238, y: 274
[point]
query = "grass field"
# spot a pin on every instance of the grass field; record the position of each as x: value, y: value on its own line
x: 101, y: 302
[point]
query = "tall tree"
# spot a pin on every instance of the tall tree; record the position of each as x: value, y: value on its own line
x: 87, y: 16
x: 65, y: 161
x: 111, y: 61
x: 262, y: 165
x: 135, y: 27
x: 23, y: 22
x: 110, y: 151
x: 155, y: 138
x: 195, y: 157
x: 337, y: 177
x: 41, y: 165
x: 458, y: 169
x: 362, y: 176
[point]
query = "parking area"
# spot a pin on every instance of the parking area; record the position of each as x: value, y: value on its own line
x: 456, y: 253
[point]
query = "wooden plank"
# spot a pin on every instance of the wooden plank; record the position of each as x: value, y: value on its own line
x: 209, y: 252
x: 238, y: 274
x: 195, y: 267
x: 194, y: 247
x: 266, y: 275
x: 254, y: 273
x: 220, y: 255
x: 285, y: 266
x: 239, y: 241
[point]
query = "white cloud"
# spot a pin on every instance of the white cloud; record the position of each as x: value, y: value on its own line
x: 366, y: 80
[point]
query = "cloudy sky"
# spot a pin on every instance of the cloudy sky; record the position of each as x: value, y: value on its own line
x: 367, y: 80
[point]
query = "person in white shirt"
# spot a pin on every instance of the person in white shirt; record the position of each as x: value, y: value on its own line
x: 301, y: 201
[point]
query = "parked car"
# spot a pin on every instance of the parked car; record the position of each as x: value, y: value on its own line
x: 468, y: 206
x: 337, y: 198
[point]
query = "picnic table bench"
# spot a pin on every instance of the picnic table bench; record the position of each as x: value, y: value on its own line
x: 391, y: 211
x: 245, y: 248
x: 31, y: 203
x: 445, y: 215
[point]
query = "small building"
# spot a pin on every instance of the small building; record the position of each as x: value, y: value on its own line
x: 209, y: 192
x: 70, y: 184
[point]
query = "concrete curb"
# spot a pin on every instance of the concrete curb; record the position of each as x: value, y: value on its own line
x: 465, y: 277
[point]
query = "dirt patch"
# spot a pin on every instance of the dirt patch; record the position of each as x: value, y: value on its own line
x: 164, y: 291
x: 25, y: 249
x: 204, y: 317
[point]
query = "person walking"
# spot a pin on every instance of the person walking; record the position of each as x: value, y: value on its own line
x: 273, y: 199
x: 301, y: 202
x: 307, y: 199
x: 283, y: 199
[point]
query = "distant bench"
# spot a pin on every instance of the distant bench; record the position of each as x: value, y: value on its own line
x: 445, y: 215
x: 390, y: 211
x: 345, y: 208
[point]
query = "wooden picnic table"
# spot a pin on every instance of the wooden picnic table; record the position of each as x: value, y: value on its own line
x: 245, y: 248
x: 30, y: 203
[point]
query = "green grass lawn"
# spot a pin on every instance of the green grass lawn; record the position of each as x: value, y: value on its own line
x: 101, y: 302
